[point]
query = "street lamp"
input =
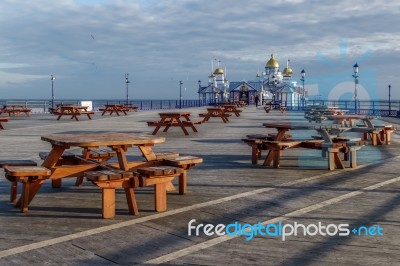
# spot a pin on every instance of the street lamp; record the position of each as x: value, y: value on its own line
x: 127, y: 90
x: 389, y: 100
x: 199, y: 90
x: 180, y: 94
x: 303, y: 75
x: 52, y: 78
x: 355, y: 76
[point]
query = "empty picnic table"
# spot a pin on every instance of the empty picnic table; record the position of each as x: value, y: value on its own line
x: 174, y: 119
x: 215, y: 112
x: 118, y: 142
x: 327, y: 144
x: 114, y: 108
x: 231, y: 108
x: 72, y: 110
x: 350, y: 120
x: 15, y: 110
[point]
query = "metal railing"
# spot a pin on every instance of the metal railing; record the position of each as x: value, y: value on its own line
x: 378, y: 108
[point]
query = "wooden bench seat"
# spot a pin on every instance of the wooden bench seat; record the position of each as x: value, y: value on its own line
x: 192, y: 122
x: 14, y: 182
x: 370, y: 133
x: 157, y: 123
x: 186, y: 163
x: 159, y: 177
x: 27, y: 175
x: 101, y: 154
x: 166, y: 155
x: 110, y: 179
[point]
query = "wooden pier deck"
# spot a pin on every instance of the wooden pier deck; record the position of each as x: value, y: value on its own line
x: 64, y: 225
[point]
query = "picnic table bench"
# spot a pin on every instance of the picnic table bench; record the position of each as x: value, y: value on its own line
x: 270, y: 105
x: 158, y: 169
x: 215, y: 112
x: 377, y: 134
x: 72, y: 110
x: 174, y: 119
x: 114, y: 108
x: 131, y: 107
x: 350, y: 120
x: 319, y: 113
x: 231, y: 108
x: 15, y: 110
x: 282, y: 141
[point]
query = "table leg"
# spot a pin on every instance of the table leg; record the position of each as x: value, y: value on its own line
x: 159, y: 126
x: 183, y: 183
x: 148, y: 153
x: 25, y: 195
x: 280, y: 135
x: 51, y: 161
x: 160, y: 197
x: 131, y: 200
x: 179, y: 122
x: 108, y: 202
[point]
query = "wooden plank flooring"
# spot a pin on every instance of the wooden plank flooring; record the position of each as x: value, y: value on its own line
x: 64, y: 226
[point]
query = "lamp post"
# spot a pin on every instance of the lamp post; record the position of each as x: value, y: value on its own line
x: 199, y: 90
x: 355, y: 76
x: 390, y: 107
x: 127, y: 90
x: 303, y: 75
x: 52, y: 78
x: 180, y: 94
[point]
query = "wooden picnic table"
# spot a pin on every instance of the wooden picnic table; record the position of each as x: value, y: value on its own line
x: 277, y: 145
x: 15, y: 110
x: 231, y: 108
x: 174, y: 119
x: 277, y: 105
x: 131, y: 107
x: 350, y: 120
x: 114, y: 108
x: 118, y: 142
x: 215, y: 112
x: 72, y: 110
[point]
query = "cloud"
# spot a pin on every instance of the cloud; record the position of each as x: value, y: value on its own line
x: 93, y: 43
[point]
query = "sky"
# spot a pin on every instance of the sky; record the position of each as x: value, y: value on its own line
x: 90, y: 45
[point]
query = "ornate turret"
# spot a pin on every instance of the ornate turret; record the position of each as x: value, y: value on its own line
x: 272, y: 63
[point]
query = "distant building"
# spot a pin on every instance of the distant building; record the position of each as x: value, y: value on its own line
x: 271, y: 85
x: 217, y: 89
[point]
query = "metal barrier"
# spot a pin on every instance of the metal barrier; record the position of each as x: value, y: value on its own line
x: 378, y: 108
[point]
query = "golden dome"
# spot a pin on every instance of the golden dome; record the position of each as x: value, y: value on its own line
x: 218, y: 71
x: 287, y: 72
x: 272, y: 63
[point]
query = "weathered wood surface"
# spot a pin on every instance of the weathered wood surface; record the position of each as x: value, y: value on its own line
x: 218, y: 185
